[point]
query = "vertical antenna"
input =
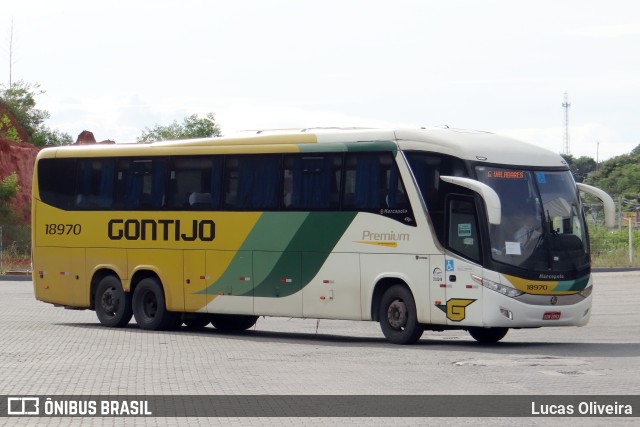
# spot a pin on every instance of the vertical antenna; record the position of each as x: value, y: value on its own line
x: 11, y: 54
x: 566, y: 106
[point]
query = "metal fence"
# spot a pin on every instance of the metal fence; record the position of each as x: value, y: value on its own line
x: 15, y: 248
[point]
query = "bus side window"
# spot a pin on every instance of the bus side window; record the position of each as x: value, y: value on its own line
x: 97, y: 179
x: 252, y: 182
x: 311, y: 182
x: 141, y: 183
x: 58, y: 181
x: 195, y: 182
x: 427, y: 169
x: 462, y: 234
x: 372, y: 182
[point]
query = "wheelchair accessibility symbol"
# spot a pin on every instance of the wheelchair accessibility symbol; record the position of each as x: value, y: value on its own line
x: 449, y: 265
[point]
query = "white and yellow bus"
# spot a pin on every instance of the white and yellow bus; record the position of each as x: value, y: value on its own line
x: 424, y: 229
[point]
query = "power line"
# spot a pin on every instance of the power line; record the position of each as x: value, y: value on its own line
x: 566, y: 106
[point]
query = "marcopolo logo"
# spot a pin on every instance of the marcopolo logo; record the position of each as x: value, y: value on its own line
x: 161, y: 229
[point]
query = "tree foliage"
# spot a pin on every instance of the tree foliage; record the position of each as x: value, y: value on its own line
x: 191, y: 127
x: 8, y: 189
x: 580, y: 167
x: 47, y: 137
x: 7, y: 130
x: 20, y: 100
x: 619, y: 176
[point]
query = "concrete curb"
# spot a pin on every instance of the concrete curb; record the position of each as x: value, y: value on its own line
x: 614, y: 269
x: 15, y: 277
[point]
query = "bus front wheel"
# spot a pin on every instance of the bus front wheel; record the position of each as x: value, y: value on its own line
x: 398, y: 318
x: 150, y: 309
x: 488, y: 335
x: 112, y: 303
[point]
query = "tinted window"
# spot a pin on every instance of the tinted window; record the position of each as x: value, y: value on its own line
x: 195, y: 182
x: 427, y: 169
x: 141, y: 183
x: 463, y: 228
x: 252, y: 182
x: 372, y: 183
x: 57, y: 182
x: 97, y: 179
x: 312, y: 182
x: 357, y: 181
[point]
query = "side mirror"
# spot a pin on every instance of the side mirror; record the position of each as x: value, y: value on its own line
x: 609, y: 204
x: 490, y: 197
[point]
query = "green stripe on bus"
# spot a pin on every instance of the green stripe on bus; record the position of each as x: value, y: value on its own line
x: 287, y: 251
x: 305, y: 254
x: 572, y: 285
x: 338, y: 147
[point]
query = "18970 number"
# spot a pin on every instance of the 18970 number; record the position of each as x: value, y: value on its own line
x: 63, y: 229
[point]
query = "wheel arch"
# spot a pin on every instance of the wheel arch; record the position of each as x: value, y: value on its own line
x: 97, y: 277
x: 145, y: 273
x: 103, y: 272
x: 380, y: 288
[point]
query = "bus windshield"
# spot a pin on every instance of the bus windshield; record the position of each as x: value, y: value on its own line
x: 541, y: 226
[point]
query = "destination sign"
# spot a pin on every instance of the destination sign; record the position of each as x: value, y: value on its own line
x: 505, y: 174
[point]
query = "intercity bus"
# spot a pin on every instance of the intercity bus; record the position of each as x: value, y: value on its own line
x: 417, y: 229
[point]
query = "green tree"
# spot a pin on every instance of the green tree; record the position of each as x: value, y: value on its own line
x: 620, y: 175
x: 20, y: 99
x: 191, y: 127
x: 7, y: 130
x: 581, y: 166
x: 46, y: 137
x: 8, y: 189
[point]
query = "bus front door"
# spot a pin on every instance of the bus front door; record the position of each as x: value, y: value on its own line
x: 462, y: 263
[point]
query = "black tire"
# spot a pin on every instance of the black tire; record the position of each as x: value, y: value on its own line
x: 232, y: 322
x: 150, y: 309
x: 112, y: 303
x: 398, y: 318
x: 195, y: 320
x: 488, y: 335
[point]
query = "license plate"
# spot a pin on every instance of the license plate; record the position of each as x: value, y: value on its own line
x: 551, y: 315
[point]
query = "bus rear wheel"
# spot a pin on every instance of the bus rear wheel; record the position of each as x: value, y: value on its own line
x: 232, y: 322
x: 488, y: 335
x: 398, y: 317
x: 150, y: 309
x: 112, y: 303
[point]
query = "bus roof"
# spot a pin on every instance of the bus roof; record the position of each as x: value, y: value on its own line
x: 465, y: 144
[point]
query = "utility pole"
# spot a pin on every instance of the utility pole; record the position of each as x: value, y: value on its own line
x: 11, y: 55
x: 566, y: 106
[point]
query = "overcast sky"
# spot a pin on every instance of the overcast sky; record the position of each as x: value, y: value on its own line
x: 116, y: 67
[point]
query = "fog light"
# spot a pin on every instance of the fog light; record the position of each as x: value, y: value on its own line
x: 506, y: 313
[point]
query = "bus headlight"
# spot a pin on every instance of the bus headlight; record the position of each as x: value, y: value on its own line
x: 497, y: 287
